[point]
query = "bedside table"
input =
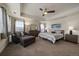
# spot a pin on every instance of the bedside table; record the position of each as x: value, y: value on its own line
x: 71, y: 38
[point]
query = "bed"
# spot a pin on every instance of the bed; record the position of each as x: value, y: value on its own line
x: 51, y: 36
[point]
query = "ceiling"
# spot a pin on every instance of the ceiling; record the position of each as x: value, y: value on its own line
x: 32, y: 9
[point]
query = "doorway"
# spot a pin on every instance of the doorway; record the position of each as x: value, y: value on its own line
x: 42, y: 27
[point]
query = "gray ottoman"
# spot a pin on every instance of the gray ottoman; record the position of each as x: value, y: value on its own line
x: 27, y: 40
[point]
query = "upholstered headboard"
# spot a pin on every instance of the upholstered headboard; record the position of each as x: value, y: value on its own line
x: 58, y: 31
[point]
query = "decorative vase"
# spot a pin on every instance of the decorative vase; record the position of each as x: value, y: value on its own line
x: 70, y: 32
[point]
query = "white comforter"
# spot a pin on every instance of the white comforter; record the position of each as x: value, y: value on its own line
x: 50, y: 36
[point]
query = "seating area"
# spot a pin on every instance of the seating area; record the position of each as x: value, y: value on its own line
x: 24, y: 38
x: 27, y: 40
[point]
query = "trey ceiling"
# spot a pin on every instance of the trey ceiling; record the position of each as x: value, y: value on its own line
x: 32, y: 9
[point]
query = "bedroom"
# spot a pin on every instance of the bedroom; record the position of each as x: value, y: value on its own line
x: 64, y: 18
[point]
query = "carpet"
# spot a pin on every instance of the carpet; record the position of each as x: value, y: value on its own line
x: 43, y: 48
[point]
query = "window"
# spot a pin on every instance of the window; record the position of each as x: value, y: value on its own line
x: 42, y: 26
x: 19, y: 26
x: 3, y: 23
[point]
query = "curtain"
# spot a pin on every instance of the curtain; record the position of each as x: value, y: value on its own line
x: 3, y: 23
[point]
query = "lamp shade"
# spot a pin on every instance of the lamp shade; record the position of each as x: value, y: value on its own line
x: 71, y: 27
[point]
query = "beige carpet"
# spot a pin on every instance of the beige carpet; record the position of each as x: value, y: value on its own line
x: 43, y: 48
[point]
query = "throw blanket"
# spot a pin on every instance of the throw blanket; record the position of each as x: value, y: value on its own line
x: 50, y: 36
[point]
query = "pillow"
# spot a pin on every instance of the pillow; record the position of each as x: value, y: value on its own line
x: 53, y: 32
x: 58, y: 32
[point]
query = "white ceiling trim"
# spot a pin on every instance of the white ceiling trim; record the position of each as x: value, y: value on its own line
x: 66, y: 13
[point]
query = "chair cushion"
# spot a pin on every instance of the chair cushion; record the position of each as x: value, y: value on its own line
x: 26, y: 37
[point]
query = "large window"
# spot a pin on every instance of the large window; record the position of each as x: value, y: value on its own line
x: 19, y: 26
x: 3, y: 23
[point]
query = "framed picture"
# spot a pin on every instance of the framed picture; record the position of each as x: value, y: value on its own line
x: 56, y: 26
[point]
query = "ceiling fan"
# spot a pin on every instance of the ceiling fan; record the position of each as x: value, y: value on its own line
x: 45, y: 11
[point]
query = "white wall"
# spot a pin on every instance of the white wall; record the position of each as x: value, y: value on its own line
x: 13, y: 9
x: 71, y: 20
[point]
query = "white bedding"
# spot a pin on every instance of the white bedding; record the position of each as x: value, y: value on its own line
x: 51, y: 36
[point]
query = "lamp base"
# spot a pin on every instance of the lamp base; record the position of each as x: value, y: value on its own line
x: 70, y: 32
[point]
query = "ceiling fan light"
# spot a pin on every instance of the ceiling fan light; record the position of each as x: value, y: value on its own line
x: 45, y: 13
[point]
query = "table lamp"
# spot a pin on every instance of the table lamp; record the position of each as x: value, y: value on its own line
x: 71, y: 29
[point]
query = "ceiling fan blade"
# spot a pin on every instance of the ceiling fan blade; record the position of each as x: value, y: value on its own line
x: 41, y: 9
x: 53, y: 11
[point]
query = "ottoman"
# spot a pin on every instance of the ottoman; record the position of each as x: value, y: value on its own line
x: 27, y: 40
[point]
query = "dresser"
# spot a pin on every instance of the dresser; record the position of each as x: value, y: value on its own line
x: 72, y: 38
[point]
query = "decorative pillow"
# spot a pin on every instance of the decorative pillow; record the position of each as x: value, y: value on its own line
x: 53, y: 32
x: 58, y: 31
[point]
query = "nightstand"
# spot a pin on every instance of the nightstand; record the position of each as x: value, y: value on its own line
x: 71, y: 38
